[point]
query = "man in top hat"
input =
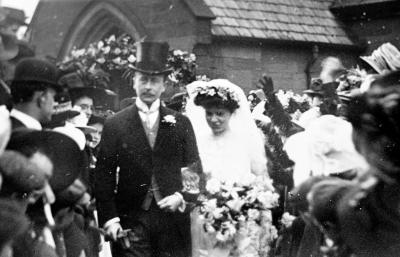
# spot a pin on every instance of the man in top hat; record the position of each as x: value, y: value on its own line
x: 149, y: 144
x: 33, y: 90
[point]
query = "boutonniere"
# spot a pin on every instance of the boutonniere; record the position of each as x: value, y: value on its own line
x: 170, y: 119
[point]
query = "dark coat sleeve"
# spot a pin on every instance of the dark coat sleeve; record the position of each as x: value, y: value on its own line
x: 105, y: 173
x: 192, y: 160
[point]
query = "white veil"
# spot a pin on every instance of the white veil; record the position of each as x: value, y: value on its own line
x: 241, y: 124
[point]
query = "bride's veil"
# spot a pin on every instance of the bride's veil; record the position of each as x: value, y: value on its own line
x: 241, y: 122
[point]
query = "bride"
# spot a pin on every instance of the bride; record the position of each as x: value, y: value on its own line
x: 231, y: 147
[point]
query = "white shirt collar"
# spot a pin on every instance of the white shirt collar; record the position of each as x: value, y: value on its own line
x: 154, y: 108
x: 27, y: 120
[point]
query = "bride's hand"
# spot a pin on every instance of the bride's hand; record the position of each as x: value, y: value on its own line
x: 170, y: 203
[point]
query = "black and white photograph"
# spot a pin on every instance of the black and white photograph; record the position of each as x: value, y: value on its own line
x: 199, y: 128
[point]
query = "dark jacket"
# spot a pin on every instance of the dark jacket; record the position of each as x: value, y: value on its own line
x: 124, y: 145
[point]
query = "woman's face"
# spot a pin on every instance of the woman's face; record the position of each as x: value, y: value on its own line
x: 218, y: 119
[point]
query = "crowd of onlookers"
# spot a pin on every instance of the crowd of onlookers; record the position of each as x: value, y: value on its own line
x: 335, y: 165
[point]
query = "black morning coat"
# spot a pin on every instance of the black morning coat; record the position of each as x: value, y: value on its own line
x: 124, y: 144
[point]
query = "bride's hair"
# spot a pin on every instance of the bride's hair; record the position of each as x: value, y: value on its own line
x: 219, y: 97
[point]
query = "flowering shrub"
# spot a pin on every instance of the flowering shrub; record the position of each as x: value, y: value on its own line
x: 231, y: 210
x: 94, y: 63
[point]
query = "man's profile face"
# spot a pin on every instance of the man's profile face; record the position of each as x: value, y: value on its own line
x: 47, y: 104
x: 149, y: 87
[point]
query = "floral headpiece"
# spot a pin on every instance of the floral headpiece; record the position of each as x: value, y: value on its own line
x: 226, y: 94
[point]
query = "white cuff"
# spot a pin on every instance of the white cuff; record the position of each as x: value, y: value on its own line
x: 182, y: 206
x: 111, y: 221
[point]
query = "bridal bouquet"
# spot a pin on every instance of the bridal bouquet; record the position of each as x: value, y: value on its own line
x: 237, y: 213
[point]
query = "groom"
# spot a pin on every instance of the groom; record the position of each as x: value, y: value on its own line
x: 149, y: 144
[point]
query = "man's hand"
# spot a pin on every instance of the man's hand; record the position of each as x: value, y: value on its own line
x: 170, y: 203
x: 112, y: 230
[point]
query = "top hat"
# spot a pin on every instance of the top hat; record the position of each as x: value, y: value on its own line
x: 68, y: 160
x: 36, y: 70
x: 8, y: 46
x: 152, y: 58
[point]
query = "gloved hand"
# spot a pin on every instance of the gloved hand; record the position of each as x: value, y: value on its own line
x: 112, y: 230
x: 266, y: 84
x: 170, y: 203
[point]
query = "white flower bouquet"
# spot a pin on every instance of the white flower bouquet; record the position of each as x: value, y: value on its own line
x: 233, y: 210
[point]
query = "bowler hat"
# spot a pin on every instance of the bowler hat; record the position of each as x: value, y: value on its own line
x: 152, y: 58
x: 68, y: 160
x: 36, y: 70
x: 8, y: 46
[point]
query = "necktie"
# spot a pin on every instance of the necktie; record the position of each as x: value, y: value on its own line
x: 147, y: 114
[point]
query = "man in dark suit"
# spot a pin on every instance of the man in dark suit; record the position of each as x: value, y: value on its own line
x: 33, y: 89
x: 150, y: 145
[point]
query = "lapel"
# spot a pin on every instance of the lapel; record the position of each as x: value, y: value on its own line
x: 136, y: 130
x: 163, y: 128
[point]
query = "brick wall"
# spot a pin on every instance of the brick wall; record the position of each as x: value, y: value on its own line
x: 244, y: 63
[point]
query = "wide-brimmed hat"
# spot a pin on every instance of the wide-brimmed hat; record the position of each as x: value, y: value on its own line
x: 68, y: 160
x: 152, y: 58
x: 385, y: 58
x: 8, y: 46
x: 321, y: 89
x: 62, y: 111
x: 36, y: 70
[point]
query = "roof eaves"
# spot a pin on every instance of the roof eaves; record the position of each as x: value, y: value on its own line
x: 199, y: 9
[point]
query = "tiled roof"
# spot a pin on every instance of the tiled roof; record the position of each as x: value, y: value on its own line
x: 289, y: 20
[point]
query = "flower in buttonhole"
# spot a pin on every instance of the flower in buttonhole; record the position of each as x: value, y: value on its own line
x: 213, y: 186
x: 169, y: 119
x: 131, y: 58
x: 287, y: 220
x: 253, y: 214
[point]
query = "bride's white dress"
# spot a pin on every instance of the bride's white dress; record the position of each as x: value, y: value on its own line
x: 236, y: 155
